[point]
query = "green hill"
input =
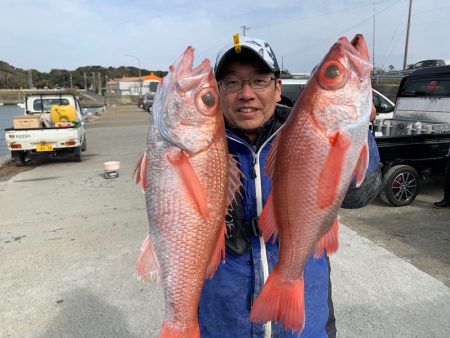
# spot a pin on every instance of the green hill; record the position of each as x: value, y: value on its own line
x: 17, y: 78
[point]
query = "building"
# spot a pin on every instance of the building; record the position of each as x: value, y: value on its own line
x: 131, y: 86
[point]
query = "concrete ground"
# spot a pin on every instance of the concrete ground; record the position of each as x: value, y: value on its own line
x: 69, y: 240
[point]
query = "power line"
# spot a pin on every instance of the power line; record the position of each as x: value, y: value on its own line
x: 346, y: 9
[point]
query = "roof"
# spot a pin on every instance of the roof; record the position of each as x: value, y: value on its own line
x: 128, y: 79
x: 432, y: 70
x: 151, y: 77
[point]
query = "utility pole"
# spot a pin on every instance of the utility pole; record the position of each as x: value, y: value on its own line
x: 407, y: 36
x: 282, y: 63
x: 93, y: 82
x: 71, y: 86
x: 99, y: 84
x: 30, y: 79
x: 373, y: 38
x: 139, y: 64
x: 244, y: 29
x: 85, y: 82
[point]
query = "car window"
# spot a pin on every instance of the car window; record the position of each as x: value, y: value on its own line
x: 292, y: 90
x: 440, y: 88
x: 381, y: 104
x: 45, y: 104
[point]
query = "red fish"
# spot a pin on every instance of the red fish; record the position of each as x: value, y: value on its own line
x: 322, y: 146
x: 185, y: 173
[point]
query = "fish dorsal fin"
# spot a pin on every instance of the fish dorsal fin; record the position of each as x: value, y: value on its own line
x: 141, y: 171
x: 180, y: 162
x: 234, y: 180
x: 267, y: 220
x: 234, y: 186
x: 148, y: 267
x: 330, y: 176
x: 361, y: 166
x: 271, y: 157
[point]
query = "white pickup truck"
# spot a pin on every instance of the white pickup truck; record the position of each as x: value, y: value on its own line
x: 37, y: 131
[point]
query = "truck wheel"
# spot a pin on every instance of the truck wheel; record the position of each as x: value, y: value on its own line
x: 77, y: 154
x: 84, y: 145
x: 400, y: 185
x: 18, y: 158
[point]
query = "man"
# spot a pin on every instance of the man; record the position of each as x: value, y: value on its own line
x: 250, y: 87
x: 445, y: 202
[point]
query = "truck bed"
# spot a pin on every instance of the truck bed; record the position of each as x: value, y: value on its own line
x: 413, y: 147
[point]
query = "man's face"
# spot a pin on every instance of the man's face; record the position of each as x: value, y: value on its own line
x: 248, y: 108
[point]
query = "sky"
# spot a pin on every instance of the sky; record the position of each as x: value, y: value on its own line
x: 67, y: 34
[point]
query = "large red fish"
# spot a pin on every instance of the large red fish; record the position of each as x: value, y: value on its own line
x: 185, y: 173
x: 322, y: 146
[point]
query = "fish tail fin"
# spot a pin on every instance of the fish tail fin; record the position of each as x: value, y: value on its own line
x: 148, y: 263
x: 218, y: 254
x: 330, y: 176
x: 361, y: 166
x: 267, y: 221
x: 172, y: 331
x: 329, y: 241
x: 141, y: 171
x: 280, y: 300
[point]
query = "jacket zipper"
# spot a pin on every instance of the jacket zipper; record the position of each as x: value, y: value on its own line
x: 256, y: 172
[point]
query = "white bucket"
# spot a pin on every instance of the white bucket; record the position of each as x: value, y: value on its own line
x: 111, y: 168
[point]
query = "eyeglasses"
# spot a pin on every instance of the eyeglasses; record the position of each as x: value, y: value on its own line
x: 232, y: 85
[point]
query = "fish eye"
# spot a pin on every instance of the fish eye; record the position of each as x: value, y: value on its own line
x: 209, y: 99
x: 332, y: 72
x: 332, y: 75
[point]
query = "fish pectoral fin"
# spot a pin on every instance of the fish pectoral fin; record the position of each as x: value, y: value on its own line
x: 329, y: 241
x: 271, y: 157
x: 361, y: 166
x: 180, y: 162
x: 141, y: 171
x: 330, y: 176
x: 148, y: 263
x: 280, y: 300
x: 267, y: 221
x: 218, y: 254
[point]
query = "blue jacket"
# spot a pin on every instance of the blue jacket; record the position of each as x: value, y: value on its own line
x: 226, y: 299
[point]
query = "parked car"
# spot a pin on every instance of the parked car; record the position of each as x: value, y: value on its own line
x: 291, y: 89
x: 148, y: 101
x: 140, y: 101
x: 427, y: 63
x: 384, y: 106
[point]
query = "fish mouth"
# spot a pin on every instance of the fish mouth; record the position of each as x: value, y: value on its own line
x: 359, y: 43
x: 183, y: 78
x: 356, y: 51
x: 189, y: 77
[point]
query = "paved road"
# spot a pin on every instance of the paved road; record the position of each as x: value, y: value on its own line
x: 69, y: 239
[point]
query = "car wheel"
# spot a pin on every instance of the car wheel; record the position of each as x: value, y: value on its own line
x: 400, y: 185
x: 84, y: 144
x: 77, y: 154
x: 18, y: 158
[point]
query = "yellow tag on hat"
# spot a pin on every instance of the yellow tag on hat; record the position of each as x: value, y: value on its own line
x: 237, y: 43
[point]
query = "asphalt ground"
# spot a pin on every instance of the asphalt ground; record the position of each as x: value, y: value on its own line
x: 69, y: 240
